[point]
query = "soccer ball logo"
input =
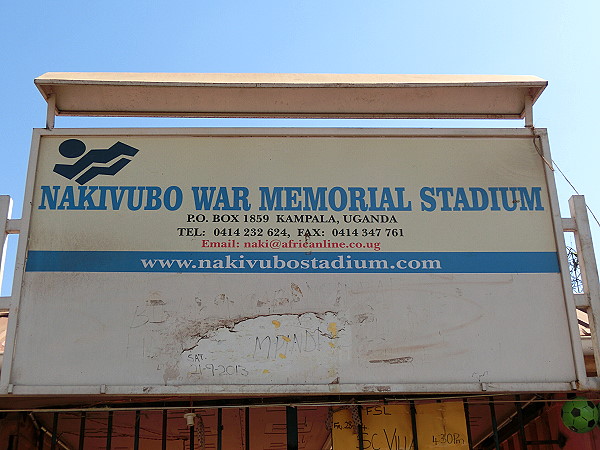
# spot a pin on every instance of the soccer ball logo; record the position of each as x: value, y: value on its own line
x: 579, y: 415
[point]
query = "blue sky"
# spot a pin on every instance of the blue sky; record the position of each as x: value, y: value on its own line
x: 555, y: 40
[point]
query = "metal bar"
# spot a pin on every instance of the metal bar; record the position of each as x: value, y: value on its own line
x: 82, y: 430
x: 510, y: 427
x: 109, y: 427
x: 291, y: 422
x: 247, y: 423
x: 413, y: 422
x: 361, y: 440
x: 51, y: 111
x: 468, y: 423
x: 44, y: 431
x: 136, y: 432
x: 54, y: 431
x: 521, y: 422
x: 494, y: 423
x: 164, y: 430
x: 16, y: 436
x: 589, y: 268
x: 220, y: 429
x: 41, y: 436
x: 192, y: 436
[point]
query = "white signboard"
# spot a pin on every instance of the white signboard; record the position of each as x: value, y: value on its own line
x: 289, y: 261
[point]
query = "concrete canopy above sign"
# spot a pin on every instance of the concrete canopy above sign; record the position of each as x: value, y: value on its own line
x: 290, y: 95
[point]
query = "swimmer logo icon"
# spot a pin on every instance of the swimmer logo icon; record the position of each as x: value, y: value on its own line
x: 93, y: 163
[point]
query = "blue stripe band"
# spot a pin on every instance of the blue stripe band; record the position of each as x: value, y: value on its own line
x: 292, y: 262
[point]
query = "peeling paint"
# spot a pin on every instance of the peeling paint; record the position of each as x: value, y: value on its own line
x: 292, y: 332
x: 332, y: 328
x: 207, y: 328
x: 296, y: 292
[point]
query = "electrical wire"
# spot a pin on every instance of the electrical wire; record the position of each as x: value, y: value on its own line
x: 551, y: 165
x: 576, y: 191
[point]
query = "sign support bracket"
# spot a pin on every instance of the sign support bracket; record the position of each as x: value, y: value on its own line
x: 527, y: 112
x: 51, y: 112
x: 9, y: 227
x: 589, y: 269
